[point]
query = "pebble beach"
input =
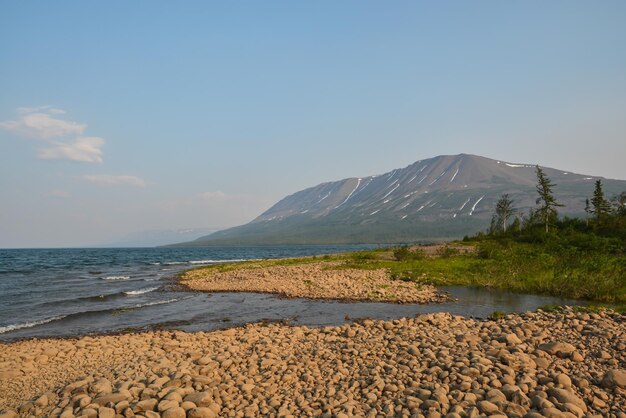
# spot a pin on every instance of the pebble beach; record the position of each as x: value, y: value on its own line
x: 321, y: 280
x: 559, y: 364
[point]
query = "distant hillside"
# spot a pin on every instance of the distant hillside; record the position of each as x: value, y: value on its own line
x: 158, y: 237
x: 435, y: 199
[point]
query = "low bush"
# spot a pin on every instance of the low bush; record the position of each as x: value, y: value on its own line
x: 404, y: 253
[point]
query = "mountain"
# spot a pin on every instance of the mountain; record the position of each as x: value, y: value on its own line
x: 435, y: 199
x: 156, y: 237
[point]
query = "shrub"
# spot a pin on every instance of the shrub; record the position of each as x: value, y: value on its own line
x: 447, y: 251
x: 488, y: 250
x: 364, y: 255
x: 405, y: 254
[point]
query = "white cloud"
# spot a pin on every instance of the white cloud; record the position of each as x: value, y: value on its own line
x: 63, y: 139
x: 84, y: 148
x: 46, y: 109
x: 110, y: 180
x: 41, y: 125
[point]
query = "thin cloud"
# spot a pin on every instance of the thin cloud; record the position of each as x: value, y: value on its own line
x: 45, y: 109
x: 42, y: 125
x: 85, y: 149
x: 111, y: 180
x: 62, y: 139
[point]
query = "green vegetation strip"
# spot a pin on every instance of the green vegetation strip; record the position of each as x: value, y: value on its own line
x: 517, y: 267
x: 570, y: 266
x: 257, y: 264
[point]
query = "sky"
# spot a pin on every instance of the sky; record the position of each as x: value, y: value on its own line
x: 118, y: 117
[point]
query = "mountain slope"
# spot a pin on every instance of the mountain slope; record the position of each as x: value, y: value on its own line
x: 152, y: 238
x: 439, y: 198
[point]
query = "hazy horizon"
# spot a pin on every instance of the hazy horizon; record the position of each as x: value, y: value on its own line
x: 124, y: 117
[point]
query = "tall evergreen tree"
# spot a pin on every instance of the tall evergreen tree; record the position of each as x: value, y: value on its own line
x: 548, y: 204
x: 504, y: 211
x: 620, y: 204
x: 601, y: 206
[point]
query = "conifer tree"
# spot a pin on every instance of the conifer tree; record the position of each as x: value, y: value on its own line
x: 619, y: 203
x: 601, y: 206
x: 548, y: 204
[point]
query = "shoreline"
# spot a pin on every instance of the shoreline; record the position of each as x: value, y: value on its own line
x: 421, y: 365
x: 282, y: 295
x: 311, y: 279
x: 566, y: 363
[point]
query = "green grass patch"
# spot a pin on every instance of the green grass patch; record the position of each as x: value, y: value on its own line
x: 551, y: 308
x: 495, y: 315
x: 572, y: 263
x: 257, y: 264
x: 564, y: 271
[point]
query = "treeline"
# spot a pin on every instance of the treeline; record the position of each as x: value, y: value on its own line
x: 541, y: 252
x: 604, y: 217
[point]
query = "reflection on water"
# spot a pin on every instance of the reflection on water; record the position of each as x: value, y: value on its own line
x: 481, y: 302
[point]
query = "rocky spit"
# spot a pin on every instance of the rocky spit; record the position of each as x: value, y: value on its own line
x: 322, y: 280
x: 564, y: 364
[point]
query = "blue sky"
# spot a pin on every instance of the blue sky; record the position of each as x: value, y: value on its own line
x: 125, y: 116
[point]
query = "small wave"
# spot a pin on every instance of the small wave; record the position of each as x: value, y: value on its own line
x: 14, y: 327
x: 158, y: 302
x: 116, y: 278
x: 174, y: 263
x: 140, y: 291
x: 235, y: 260
x: 82, y: 314
x: 156, y: 264
x: 91, y: 298
x: 77, y: 315
x: 98, y: 298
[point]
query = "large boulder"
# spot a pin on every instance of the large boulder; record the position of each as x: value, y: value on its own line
x: 566, y: 396
x: 201, y: 399
x: 201, y: 413
x: 558, y: 348
x: 614, y: 378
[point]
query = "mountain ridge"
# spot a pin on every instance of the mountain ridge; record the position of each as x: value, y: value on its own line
x: 438, y: 198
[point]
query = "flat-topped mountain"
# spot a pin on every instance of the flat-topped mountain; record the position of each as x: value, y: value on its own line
x: 438, y: 198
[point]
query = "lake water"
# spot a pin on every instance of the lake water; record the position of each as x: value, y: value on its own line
x: 65, y: 292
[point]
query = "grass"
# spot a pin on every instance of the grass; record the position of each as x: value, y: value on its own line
x: 257, y: 264
x: 551, y: 308
x: 495, y: 315
x: 577, y: 266
x: 517, y: 267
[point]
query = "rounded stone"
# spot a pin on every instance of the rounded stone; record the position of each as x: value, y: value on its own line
x: 614, y: 378
x: 201, y: 413
x: 176, y: 412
